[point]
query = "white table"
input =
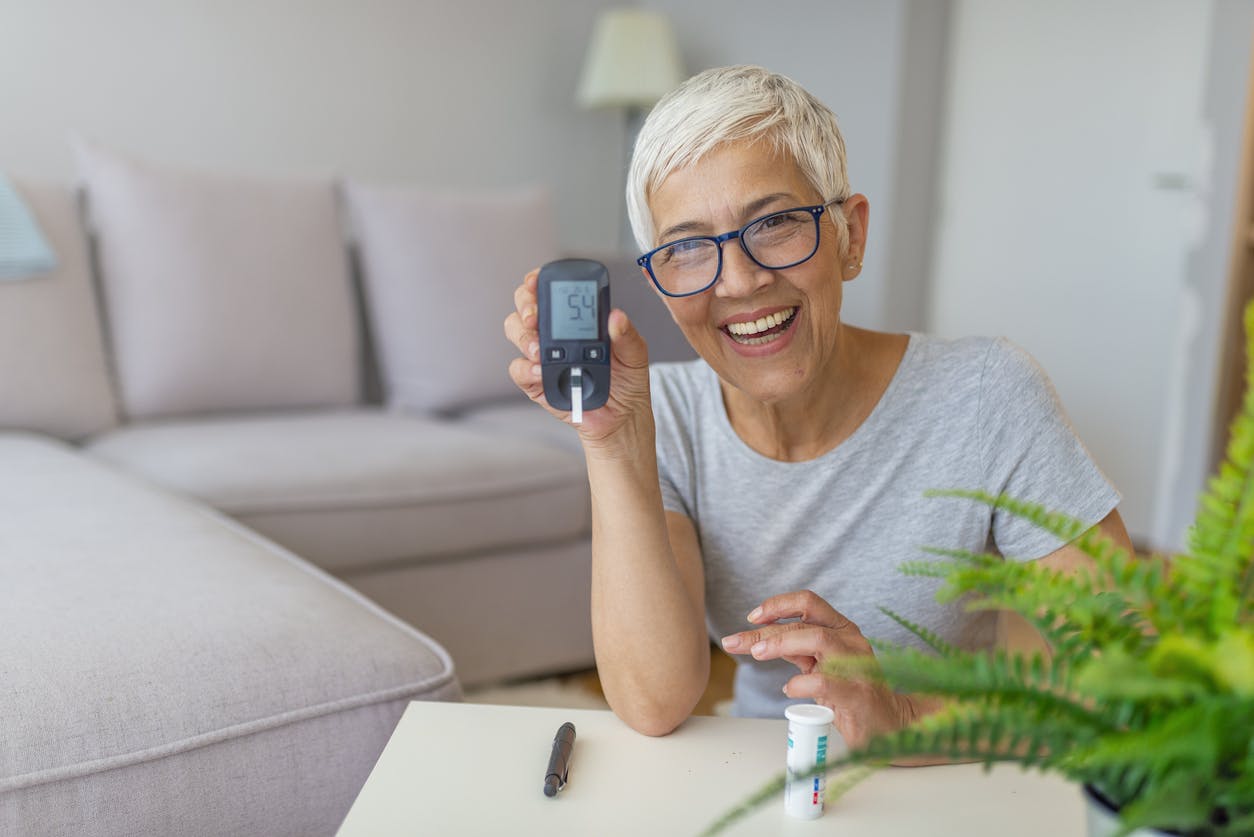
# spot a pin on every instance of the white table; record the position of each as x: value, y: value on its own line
x: 457, y: 769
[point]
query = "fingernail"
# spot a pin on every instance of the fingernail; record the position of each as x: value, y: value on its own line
x: 785, y: 689
x: 731, y: 643
x: 535, y: 369
x: 757, y: 649
x: 529, y: 312
x: 754, y: 614
x: 533, y: 350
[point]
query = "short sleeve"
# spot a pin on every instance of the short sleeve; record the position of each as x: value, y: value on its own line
x: 1031, y: 452
x: 672, y: 407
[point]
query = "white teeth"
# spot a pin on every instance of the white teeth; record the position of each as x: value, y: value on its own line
x: 762, y: 324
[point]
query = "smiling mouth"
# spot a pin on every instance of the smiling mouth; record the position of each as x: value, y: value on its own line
x: 764, y: 330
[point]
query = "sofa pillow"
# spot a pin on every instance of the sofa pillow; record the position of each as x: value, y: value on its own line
x: 438, y: 272
x: 224, y: 293
x: 53, y: 372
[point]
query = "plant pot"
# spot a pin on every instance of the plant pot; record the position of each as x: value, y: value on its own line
x: 1103, y: 819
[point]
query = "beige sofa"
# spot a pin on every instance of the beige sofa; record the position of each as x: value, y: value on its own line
x: 222, y: 348
x: 236, y: 406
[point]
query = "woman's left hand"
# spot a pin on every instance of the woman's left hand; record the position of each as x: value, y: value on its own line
x: 863, y: 709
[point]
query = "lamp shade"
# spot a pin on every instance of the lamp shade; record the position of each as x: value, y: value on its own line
x: 633, y: 60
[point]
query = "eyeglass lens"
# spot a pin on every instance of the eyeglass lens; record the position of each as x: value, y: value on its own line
x: 776, y: 241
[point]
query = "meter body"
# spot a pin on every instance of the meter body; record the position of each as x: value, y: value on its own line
x: 573, y: 297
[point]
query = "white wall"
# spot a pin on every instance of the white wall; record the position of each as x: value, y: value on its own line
x: 1226, y: 89
x: 1077, y: 180
x: 477, y: 93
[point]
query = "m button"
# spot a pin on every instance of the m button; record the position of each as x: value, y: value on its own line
x: 557, y: 353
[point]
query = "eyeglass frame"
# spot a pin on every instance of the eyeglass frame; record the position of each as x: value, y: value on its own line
x: 646, y: 260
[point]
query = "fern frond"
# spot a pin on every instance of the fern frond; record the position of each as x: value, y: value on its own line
x: 1145, y: 767
x: 1061, y: 526
x: 1120, y: 676
x: 978, y: 559
x: 758, y: 798
x: 1220, y: 563
x: 1008, y: 680
x: 849, y: 771
x: 846, y: 780
x: 1073, y: 612
x: 930, y: 637
x: 987, y: 732
x: 1180, y: 802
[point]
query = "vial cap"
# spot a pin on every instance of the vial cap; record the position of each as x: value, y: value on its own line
x: 810, y: 714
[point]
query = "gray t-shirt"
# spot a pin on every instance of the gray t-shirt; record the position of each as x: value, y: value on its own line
x: 975, y: 413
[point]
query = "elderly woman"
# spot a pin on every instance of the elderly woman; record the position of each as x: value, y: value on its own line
x: 766, y: 494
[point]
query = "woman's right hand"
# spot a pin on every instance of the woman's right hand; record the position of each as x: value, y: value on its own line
x: 628, y: 401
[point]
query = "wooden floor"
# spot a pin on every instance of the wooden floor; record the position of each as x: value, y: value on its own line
x: 719, y: 689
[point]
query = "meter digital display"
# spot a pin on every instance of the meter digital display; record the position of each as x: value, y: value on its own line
x: 574, y: 309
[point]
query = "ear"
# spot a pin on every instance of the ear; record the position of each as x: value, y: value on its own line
x: 857, y: 210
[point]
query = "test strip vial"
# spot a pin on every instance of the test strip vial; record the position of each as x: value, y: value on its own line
x: 809, y: 729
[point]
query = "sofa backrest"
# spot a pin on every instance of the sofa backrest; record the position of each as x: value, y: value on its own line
x: 54, y: 376
x: 56, y: 353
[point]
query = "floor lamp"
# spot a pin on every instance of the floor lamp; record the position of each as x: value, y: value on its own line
x: 632, y: 61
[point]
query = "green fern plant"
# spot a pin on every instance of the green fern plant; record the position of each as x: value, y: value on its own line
x: 1148, y: 695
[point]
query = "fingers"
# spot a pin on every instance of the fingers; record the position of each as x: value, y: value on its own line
x: 525, y: 294
x: 812, y: 685
x: 822, y: 630
x: 521, y: 325
x: 525, y: 339
x: 795, y: 640
x: 527, y: 377
x: 863, y: 710
x: 525, y: 299
x: 810, y: 641
x: 745, y: 641
x: 853, y: 696
x: 805, y: 605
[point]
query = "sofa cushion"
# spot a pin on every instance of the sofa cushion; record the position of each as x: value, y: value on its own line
x: 165, y: 671
x: 519, y: 417
x: 224, y: 292
x: 348, y: 489
x: 438, y: 271
x: 53, y: 373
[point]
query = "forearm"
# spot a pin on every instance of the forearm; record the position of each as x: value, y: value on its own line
x: 649, y: 633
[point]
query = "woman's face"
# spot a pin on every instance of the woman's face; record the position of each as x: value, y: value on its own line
x: 723, y: 191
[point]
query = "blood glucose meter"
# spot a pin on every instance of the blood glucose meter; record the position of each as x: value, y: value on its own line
x: 574, y: 312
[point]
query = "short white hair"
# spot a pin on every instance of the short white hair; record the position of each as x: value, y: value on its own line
x: 727, y: 104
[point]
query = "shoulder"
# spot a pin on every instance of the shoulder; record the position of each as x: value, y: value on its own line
x: 678, y: 387
x: 986, y: 361
x: 1011, y: 372
x: 958, y: 355
x: 941, y: 371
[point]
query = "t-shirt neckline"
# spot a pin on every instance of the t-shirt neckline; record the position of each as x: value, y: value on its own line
x: 841, y: 450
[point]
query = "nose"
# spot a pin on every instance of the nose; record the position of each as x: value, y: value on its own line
x: 741, y: 276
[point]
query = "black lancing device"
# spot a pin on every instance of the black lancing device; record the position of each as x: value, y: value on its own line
x: 573, y: 297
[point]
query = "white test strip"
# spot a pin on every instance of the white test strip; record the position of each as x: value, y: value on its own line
x: 576, y: 395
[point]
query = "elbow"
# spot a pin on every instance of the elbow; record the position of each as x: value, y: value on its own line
x: 654, y: 718
x: 654, y: 724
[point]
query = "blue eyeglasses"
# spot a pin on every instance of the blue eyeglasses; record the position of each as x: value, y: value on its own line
x: 776, y: 241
